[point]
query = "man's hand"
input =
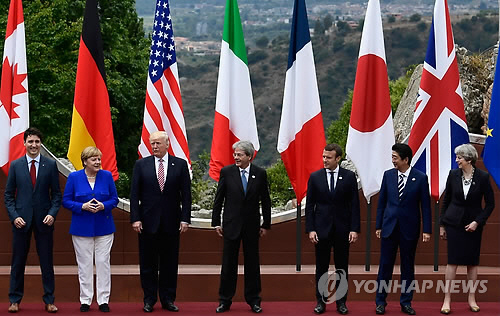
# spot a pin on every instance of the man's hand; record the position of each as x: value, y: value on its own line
x: 353, y: 237
x: 137, y: 226
x: 49, y: 220
x: 442, y: 233
x: 426, y: 237
x: 183, y: 227
x: 313, y: 237
x: 219, y: 231
x: 262, y: 232
x: 378, y: 232
x: 19, y: 222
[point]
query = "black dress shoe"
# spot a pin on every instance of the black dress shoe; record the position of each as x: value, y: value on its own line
x: 408, y: 310
x: 256, y: 308
x: 342, y: 309
x: 170, y: 307
x: 222, y: 308
x: 84, y: 308
x: 104, y: 308
x: 320, y: 308
x: 380, y: 310
x: 148, y: 308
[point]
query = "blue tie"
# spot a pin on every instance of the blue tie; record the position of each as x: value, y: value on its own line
x: 332, y: 181
x: 244, y: 180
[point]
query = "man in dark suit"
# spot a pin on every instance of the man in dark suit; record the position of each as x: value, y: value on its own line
x: 242, y: 189
x: 160, y: 209
x: 403, y: 203
x: 332, y: 220
x: 32, y: 198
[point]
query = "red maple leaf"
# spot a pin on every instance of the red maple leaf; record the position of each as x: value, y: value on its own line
x: 11, y: 86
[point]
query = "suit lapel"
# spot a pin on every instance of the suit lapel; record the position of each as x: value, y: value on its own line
x: 409, y: 183
x: 152, y: 168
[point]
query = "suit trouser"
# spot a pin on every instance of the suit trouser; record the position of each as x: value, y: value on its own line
x: 20, y: 248
x: 340, y: 244
x: 85, y: 248
x: 229, y: 270
x: 158, y: 259
x: 388, y: 250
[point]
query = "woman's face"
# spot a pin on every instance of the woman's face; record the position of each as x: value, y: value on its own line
x: 461, y: 162
x: 93, y: 163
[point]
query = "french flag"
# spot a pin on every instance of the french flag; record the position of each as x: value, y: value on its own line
x: 371, y: 132
x: 301, y: 137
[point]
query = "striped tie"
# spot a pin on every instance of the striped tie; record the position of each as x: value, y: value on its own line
x: 161, y: 174
x: 401, y: 184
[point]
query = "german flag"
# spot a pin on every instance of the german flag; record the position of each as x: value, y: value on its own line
x: 91, y: 122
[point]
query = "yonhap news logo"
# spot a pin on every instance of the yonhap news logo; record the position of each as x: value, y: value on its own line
x: 333, y: 286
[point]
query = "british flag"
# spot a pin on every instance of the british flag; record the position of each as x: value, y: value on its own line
x: 439, y: 123
x: 163, y: 109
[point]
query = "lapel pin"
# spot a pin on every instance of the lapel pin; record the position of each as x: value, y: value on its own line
x: 253, y: 176
x: 473, y: 183
x: 340, y: 178
x: 413, y: 179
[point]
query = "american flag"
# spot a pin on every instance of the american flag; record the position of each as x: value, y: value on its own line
x: 163, y: 108
x: 439, y: 123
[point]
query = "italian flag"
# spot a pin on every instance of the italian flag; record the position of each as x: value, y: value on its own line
x: 234, y: 110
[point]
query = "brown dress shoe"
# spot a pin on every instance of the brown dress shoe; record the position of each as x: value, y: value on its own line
x: 51, y: 308
x: 13, y: 308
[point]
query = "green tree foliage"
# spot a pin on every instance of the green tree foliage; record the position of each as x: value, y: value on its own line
x: 53, y: 30
x: 262, y: 42
x: 415, y: 17
x: 202, y: 188
x: 319, y: 28
x: 391, y: 18
x: 279, y: 185
x: 327, y: 21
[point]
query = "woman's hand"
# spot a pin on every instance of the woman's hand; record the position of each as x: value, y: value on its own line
x: 93, y: 206
x: 442, y: 233
x: 471, y: 227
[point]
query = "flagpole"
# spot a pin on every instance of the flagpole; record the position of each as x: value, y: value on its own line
x: 299, y: 239
x: 436, y: 236
x: 368, y: 234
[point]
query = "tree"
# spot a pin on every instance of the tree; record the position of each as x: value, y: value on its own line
x: 391, y: 18
x: 328, y: 21
x: 415, y: 17
x: 262, y: 42
x: 319, y: 29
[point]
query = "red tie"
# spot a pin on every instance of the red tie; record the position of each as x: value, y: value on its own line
x: 161, y: 175
x: 33, y: 172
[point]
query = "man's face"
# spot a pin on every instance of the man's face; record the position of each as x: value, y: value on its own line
x: 241, y: 159
x: 330, y: 161
x: 159, y: 145
x: 32, y: 144
x: 400, y: 164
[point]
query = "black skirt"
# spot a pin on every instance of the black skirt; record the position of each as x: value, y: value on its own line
x: 463, y: 247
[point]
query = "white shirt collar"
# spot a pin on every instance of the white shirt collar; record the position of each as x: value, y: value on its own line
x: 406, y: 173
x: 336, y: 170
x: 29, y: 159
x: 165, y: 158
x: 247, y: 169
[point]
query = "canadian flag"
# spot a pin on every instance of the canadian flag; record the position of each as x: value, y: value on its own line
x: 371, y: 132
x: 14, y: 107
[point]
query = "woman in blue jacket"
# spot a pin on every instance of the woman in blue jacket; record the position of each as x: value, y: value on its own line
x: 90, y: 195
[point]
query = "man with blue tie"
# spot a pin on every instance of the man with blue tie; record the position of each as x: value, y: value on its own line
x: 332, y: 220
x: 403, y: 203
x: 32, y: 198
x: 242, y: 190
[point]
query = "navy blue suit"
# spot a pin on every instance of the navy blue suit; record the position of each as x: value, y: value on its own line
x: 32, y: 205
x: 400, y: 221
x: 332, y: 215
x: 160, y: 213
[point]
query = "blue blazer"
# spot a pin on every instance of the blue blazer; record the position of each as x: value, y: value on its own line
x: 33, y: 204
x: 78, y: 191
x: 415, y: 203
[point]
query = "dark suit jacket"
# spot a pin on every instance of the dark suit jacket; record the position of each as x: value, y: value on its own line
x: 414, y: 204
x: 157, y: 210
x: 458, y: 211
x: 242, y: 210
x: 339, y: 209
x: 33, y: 204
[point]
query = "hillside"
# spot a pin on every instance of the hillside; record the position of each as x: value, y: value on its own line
x: 336, y: 58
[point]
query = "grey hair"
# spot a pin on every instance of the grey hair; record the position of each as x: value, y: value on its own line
x: 468, y: 152
x: 246, y: 146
